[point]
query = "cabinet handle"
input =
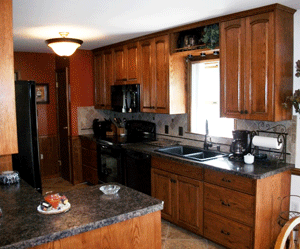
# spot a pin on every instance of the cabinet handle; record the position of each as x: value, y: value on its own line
x: 224, y: 232
x: 225, y: 204
x: 225, y: 180
x: 172, y: 180
x: 242, y: 112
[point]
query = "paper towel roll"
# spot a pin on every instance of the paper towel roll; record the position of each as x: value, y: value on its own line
x: 269, y: 142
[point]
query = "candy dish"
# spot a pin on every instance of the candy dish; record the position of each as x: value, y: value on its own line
x: 110, y: 189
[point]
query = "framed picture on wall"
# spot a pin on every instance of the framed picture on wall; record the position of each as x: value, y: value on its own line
x: 42, y: 93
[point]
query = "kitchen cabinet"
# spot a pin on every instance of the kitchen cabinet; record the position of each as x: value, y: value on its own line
x: 182, y: 196
x: 242, y: 213
x: 256, y: 65
x: 125, y: 66
x: 162, y: 89
x: 103, y: 70
x: 89, y: 161
x: 232, y: 210
x: 8, y: 127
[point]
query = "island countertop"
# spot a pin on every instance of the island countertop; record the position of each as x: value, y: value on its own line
x: 22, y: 226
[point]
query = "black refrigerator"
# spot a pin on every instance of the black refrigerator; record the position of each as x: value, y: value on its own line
x: 27, y: 162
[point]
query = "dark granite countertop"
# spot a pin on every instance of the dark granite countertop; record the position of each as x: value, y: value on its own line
x: 21, y: 226
x: 257, y: 170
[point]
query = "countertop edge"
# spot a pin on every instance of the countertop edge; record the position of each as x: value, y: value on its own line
x: 88, y: 227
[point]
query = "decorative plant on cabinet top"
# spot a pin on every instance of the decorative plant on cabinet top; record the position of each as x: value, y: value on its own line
x: 294, y: 100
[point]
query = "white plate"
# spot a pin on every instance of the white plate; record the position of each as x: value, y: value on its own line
x: 63, y: 208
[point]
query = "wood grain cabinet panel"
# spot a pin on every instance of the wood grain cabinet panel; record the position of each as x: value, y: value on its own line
x: 227, y: 232
x: 89, y: 161
x: 190, y: 204
x: 8, y: 125
x: 162, y: 189
x: 239, y: 183
x: 229, y: 203
x: 103, y: 71
x: 182, y: 196
x: 256, y: 75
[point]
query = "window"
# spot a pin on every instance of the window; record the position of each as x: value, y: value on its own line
x: 205, y: 100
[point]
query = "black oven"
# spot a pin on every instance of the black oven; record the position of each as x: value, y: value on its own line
x: 110, y: 164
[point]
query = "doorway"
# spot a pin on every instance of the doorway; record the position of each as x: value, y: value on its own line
x: 63, y: 123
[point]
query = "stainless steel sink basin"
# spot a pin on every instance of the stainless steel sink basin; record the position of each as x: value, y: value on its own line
x: 192, y: 153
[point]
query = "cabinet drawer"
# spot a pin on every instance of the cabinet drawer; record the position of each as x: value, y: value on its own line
x: 88, y: 144
x: 89, y: 158
x: 238, y: 183
x: 182, y: 169
x: 226, y: 232
x: 229, y: 203
x: 90, y: 174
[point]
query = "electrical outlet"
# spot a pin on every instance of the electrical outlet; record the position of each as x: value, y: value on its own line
x: 166, y: 129
x: 42, y: 156
x: 180, y: 131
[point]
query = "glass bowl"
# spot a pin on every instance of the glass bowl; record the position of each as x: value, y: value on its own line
x: 110, y: 189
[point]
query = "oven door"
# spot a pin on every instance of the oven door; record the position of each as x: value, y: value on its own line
x: 110, y: 167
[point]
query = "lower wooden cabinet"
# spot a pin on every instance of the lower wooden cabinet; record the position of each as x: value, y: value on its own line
x: 234, y: 211
x: 227, y: 232
x: 89, y: 161
x: 182, y: 196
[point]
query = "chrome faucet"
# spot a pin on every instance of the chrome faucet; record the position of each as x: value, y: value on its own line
x: 206, y: 143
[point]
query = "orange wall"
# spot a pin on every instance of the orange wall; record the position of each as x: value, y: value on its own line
x: 82, y: 83
x: 40, y: 67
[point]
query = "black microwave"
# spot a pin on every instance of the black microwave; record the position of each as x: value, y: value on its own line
x: 125, y: 98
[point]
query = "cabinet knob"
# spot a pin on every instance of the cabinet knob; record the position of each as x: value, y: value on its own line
x: 225, y: 204
x: 246, y: 112
x: 224, y: 232
x: 242, y: 112
x: 225, y: 180
x: 173, y: 181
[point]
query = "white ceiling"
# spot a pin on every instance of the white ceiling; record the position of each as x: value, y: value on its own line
x: 102, y: 22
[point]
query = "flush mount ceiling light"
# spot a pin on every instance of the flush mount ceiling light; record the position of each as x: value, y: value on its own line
x: 64, y: 46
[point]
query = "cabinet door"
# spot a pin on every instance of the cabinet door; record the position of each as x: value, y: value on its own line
x: 232, y: 68
x: 259, y: 74
x: 108, y: 77
x: 146, y: 73
x: 132, y: 62
x: 162, y: 188
x: 8, y: 127
x: 190, y: 204
x: 161, y: 81
x: 100, y: 97
x: 120, y: 65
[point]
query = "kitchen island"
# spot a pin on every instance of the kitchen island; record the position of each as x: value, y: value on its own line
x: 128, y: 219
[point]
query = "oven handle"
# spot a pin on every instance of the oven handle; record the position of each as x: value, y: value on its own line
x: 142, y: 157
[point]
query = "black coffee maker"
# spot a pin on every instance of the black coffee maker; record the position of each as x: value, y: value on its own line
x: 241, y: 143
x: 100, y: 128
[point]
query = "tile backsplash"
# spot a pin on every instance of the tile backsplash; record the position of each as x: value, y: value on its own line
x: 86, y: 115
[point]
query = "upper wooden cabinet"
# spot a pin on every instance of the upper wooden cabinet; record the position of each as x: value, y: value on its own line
x: 8, y: 126
x: 162, y: 89
x: 103, y: 64
x: 125, y: 66
x: 256, y: 55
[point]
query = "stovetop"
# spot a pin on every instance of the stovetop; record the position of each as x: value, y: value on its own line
x: 137, y: 131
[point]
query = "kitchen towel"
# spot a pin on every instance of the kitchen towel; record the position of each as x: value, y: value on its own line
x: 269, y: 142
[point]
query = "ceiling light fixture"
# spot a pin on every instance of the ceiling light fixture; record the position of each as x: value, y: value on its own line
x: 64, y: 46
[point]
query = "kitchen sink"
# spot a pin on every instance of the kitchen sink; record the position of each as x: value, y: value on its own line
x: 192, y: 153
